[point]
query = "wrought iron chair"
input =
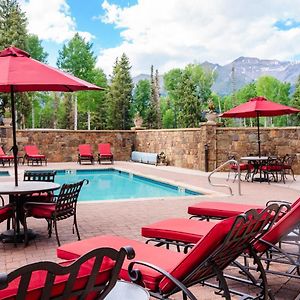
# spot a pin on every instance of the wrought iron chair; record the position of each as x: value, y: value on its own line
x: 288, y: 162
x: 62, y: 207
x: 273, y: 169
x: 246, y: 168
x: 48, y: 176
x: 104, y: 153
x: 7, y: 213
x: 85, y: 153
x: 164, y: 272
x: 92, y: 276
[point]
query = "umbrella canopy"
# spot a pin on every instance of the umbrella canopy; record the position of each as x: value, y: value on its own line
x: 259, y: 107
x: 20, y: 73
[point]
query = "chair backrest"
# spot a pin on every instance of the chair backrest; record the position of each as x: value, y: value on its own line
x: 31, y: 150
x: 48, y: 176
x: 92, y: 276
x: 67, y: 200
x: 1, y: 151
x: 289, y: 159
x: 104, y: 148
x: 281, y: 228
x: 85, y: 149
x: 222, y: 245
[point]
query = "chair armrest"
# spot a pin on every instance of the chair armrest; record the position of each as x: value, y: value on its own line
x: 288, y: 204
x: 136, y: 276
x: 2, y: 200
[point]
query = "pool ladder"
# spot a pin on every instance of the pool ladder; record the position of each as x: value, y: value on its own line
x: 230, y: 161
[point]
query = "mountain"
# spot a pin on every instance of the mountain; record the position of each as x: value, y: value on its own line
x: 246, y: 70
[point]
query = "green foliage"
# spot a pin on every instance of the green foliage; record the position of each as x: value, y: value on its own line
x: 152, y: 116
x: 189, y: 112
x: 141, y: 98
x: 35, y: 49
x: 77, y: 58
x: 13, y: 24
x: 295, y: 102
x: 119, y: 96
x: 168, y: 118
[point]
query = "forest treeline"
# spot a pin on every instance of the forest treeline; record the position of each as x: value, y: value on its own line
x: 188, y: 90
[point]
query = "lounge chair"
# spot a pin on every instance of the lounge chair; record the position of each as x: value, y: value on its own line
x: 186, y: 232
x: 207, y: 210
x: 104, y: 153
x: 4, y: 158
x: 32, y: 155
x: 164, y: 272
x: 91, y: 276
x: 85, y: 153
x: 62, y: 207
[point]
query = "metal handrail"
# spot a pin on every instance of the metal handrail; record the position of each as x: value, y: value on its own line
x: 230, y: 161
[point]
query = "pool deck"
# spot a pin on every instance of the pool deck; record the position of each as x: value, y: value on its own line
x: 125, y: 218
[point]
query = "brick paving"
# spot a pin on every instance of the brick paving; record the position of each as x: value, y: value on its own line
x: 125, y: 218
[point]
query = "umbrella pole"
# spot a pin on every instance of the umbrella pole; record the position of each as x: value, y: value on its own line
x: 14, y: 147
x: 258, y: 134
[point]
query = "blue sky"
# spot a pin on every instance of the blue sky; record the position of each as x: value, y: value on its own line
x: 169, y: 33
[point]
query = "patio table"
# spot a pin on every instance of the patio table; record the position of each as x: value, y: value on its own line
x: 257, y: 162
x: 16, y: 195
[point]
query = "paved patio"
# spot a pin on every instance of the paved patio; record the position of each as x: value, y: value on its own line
x: 126, y: 217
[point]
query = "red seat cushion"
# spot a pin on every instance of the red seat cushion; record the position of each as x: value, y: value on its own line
x: 185, y: 230
x: 6, y: 157
x: 162, y: 257
x: 281, y: 228
x: 38, y: 280
x: 199, y: 253
x: 6, y: 212
x: 36, y: 156
x: 220, y: 209
x: 41, y: 211
x: 271, y: 168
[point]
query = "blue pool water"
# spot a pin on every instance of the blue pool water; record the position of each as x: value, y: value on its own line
x: 115, y: 184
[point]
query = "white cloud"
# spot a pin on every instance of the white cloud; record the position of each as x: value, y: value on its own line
x: 173, y: 33
x: 51, y: 20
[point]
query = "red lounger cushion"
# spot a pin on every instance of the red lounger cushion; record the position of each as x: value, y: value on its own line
x: 6, y: 157
x: 38, y: 280
x: 185, y: 230
x: 284, y: 226
x: 37, y: 156
x: 220, y: 209
x: 149, y: 253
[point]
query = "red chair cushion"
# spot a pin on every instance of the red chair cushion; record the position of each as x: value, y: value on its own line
x: 281, y: 228
x: 199, y: 253
x: 85, y: 150
x: 220, y: 209
x: 38, y: 280
x: 104, y: 150
x: 185, y: 230
x: 6, y: 157
x: 161, y: 257
x: 31, y: 150
x: 271, y: 168
x: 6, y: 212
x: 37, y: 156
x: 41, y: 211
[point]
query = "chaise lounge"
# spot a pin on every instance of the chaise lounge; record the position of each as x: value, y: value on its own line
x: 104, y: 153
x: 164, y: 272
x: 4, y: 158
x: 85, y: 153
x: 32, y: 155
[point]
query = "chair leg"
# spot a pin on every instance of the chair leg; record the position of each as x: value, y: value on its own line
x: 25, y: 231
x: 56, y: 232
x: 76, y: 227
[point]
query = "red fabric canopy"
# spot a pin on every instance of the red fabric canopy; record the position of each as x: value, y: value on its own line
x: 26, y: 74
x: 259, y: 107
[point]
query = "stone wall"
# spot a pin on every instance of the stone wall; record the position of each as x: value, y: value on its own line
x: 61, y: 145
x: 183, y: 147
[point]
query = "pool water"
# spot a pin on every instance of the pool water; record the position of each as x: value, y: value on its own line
x: 114, y: 184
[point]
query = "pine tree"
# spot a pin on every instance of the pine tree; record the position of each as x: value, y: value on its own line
x: 13, y: 32
x: 120, y: 95
x: 153, y: 112
x: 190, y: 108
x: 295, y: 102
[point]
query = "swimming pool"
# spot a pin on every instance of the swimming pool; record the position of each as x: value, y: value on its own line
x: 110, y: 184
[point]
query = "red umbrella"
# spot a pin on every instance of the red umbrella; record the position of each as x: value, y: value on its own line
x: 20, y: 73
x: 259, y: 107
